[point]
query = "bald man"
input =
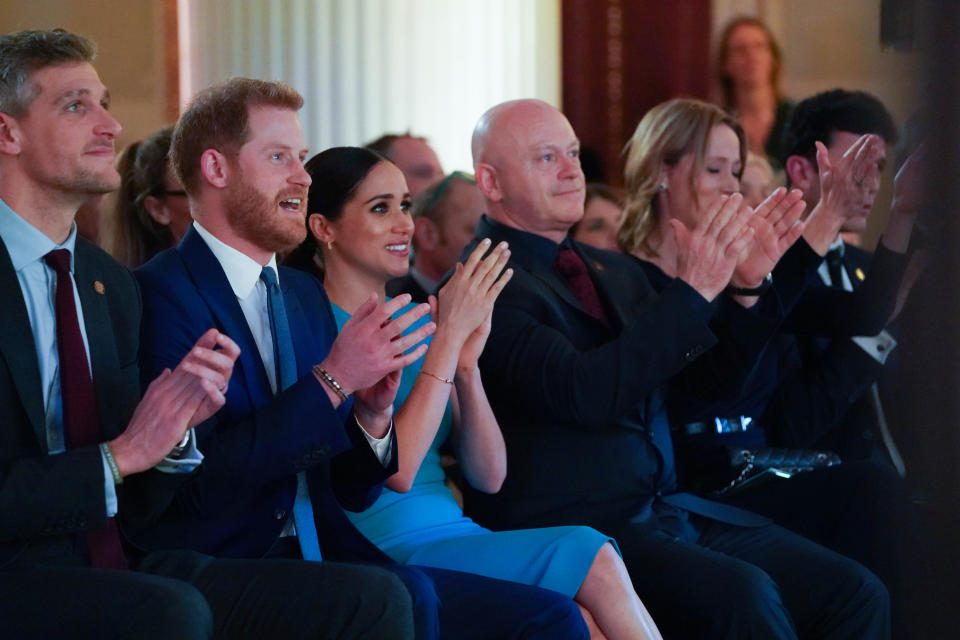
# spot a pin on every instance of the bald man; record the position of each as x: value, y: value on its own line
x: 580, y: 349
x: 415, y: 157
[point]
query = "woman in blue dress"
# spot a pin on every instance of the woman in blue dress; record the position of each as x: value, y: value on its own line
x: 360, y: 230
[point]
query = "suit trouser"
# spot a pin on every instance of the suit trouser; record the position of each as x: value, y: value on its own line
x: 859, y: 509
x: 446, y: 604
x: 267, y: 598
x: 473, y: 607
x: 73, y: 602
x: 182, y: 594
x: 751, y: 582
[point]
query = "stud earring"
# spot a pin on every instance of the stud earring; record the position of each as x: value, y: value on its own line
x: 330, y: 246
x: 662, y: 187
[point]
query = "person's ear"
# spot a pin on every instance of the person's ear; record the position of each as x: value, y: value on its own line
x: 214, y: 168
x: 426, y: 235
x: 321, y: 228
x: 666, y: 176
x: 10, y: 135
x: 801, y: 172
x: 488, y: 182
x: 157, y: 210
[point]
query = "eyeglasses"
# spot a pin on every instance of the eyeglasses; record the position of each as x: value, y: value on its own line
x: 173, y: 192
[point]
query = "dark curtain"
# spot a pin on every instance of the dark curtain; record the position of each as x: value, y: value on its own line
x: 621, y: 57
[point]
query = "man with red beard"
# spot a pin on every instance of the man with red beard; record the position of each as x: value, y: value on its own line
x: 306, y: 430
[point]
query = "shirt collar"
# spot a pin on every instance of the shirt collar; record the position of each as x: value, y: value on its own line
x: 526, y: 248
x: 242, y: 271
x: 837, y: 245
x: 27, y: 244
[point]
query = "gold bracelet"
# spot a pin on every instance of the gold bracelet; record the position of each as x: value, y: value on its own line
x: 111, y: 462
x: 330, y: 380
x: 443, y: 380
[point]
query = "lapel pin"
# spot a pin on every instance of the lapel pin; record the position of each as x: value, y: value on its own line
x: 860, y: 274
x: 98, y: 287
x: 598, y: 266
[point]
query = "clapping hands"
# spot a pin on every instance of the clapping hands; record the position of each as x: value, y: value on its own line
x: 776, y: 226
x: 708, y: 254
x: 465, y: 303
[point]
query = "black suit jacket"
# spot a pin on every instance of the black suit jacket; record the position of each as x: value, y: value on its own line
x: 407, y: 284
x: 820, y: 399
x: 46, y: 500
x: 578, y: 399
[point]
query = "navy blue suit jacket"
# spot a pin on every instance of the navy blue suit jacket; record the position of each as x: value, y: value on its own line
x: 237, y: 504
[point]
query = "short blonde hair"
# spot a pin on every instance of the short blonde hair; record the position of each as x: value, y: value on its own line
x: 667, y: 133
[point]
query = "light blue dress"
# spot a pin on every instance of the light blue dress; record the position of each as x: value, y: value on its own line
x: 426, y: 527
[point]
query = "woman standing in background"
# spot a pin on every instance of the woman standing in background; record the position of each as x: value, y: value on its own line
x: 749, y: 65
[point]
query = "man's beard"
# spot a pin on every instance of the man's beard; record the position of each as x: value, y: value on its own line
x: 254, y: 217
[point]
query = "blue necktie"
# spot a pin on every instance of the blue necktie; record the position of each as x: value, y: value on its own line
x: 286, y: 375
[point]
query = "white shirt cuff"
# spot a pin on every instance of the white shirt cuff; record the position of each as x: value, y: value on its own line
x: 381, y: 446
x: 184, y: 458
x: 878, y: 347
x: 109, y: 488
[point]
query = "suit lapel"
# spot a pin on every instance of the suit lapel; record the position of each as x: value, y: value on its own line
x: 547, y: 276
x: 214, y: 288
x: 300, y: 330
x: 552, y: 279
x: 605, y: 289
x: 17, y: 345
x: 104, y: 360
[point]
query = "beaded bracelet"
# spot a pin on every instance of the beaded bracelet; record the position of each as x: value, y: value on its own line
x: 111, y: 462
x: 330, y: 380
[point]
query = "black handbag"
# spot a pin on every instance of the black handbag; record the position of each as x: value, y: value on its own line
x: 758, y: 464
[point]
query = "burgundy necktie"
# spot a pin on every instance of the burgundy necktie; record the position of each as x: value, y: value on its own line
x: 80, y: 420
x: 573, y: 269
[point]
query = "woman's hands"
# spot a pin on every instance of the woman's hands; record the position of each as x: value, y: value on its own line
x: 776, y: 226
x: 465, y: 304
x: 707, y: 254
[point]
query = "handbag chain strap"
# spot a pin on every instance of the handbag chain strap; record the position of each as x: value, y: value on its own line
x: 748, y: 459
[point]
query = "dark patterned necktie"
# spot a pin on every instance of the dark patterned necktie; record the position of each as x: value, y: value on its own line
x: 80, y: 419
x: 572, y: 268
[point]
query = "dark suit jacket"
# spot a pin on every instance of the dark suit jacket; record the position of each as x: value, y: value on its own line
x: 407, y: 284
x: 579, y: 400
x: 807, y: 385
x: 823, y: 376
x: 257, y: 443
x: 46, y: 500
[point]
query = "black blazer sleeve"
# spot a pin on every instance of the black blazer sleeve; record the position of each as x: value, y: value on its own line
x: 826, y: 311
x: 571, y: 369
x: 811, y: 400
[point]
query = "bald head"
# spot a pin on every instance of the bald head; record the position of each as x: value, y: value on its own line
x: 499, y: 123
x: 527, y: 163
